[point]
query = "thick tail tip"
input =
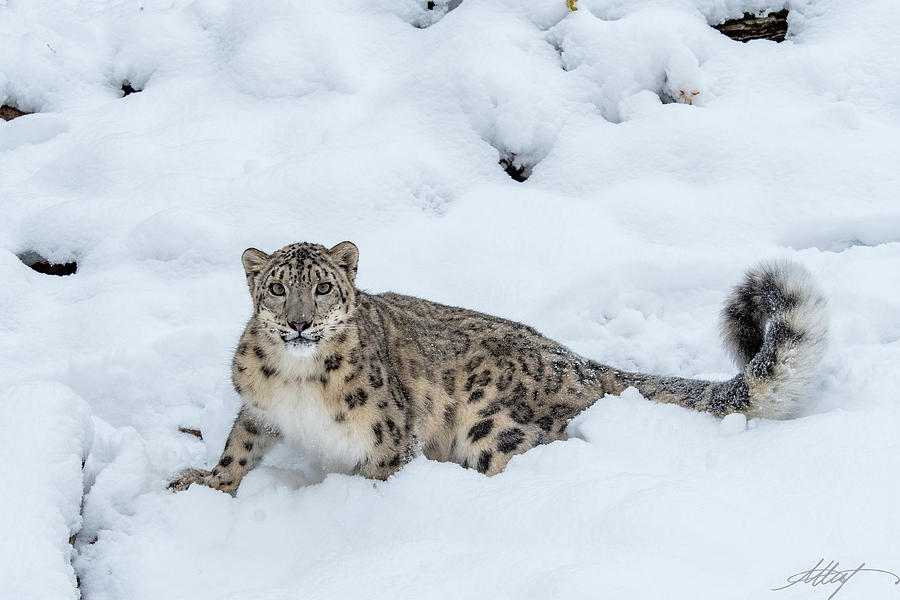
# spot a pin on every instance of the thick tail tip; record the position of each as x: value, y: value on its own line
x: 775, y: 325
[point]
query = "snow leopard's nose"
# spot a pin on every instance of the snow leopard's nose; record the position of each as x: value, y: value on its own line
x: 300, y: 326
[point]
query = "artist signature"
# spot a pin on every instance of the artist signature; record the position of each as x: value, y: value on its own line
x: 831, y: 575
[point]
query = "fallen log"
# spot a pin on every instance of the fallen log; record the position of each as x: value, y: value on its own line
x: 772, y: 26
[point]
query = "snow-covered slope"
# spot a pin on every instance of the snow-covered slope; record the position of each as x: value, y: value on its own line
x: 383, y: 122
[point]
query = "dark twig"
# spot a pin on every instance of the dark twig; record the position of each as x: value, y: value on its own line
x: 194, y: 432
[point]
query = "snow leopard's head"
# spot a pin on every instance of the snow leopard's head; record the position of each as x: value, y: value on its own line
x: 304, y: 292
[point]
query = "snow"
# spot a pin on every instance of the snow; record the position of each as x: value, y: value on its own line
x: 43, y: 487
x: 383, y: 123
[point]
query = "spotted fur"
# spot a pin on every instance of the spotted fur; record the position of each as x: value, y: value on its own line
x: 376, y: 379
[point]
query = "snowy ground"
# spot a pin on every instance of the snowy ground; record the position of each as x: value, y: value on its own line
x: 379, y: 121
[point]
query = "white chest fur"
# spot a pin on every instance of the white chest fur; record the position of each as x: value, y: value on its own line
x: 298, y: 408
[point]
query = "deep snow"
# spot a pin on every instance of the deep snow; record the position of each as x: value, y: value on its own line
x: 378, y: 121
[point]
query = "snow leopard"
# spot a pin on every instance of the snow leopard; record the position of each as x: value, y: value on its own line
x: 366, y: 382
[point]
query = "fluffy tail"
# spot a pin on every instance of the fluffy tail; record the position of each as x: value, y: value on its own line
x: 775, y: 324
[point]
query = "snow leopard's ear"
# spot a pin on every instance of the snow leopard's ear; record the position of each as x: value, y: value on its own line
x: 345, y: 256
x: 254, y: 260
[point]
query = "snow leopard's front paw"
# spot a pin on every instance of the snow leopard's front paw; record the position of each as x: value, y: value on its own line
x: 184, y: 479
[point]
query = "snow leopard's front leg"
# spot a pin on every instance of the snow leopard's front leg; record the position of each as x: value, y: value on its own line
x: 246, y: 445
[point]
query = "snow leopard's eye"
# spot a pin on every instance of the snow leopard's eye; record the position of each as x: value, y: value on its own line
x: 277, y: 289
x: 323, y: 288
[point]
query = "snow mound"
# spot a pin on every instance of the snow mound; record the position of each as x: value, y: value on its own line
x: 45, y: 434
